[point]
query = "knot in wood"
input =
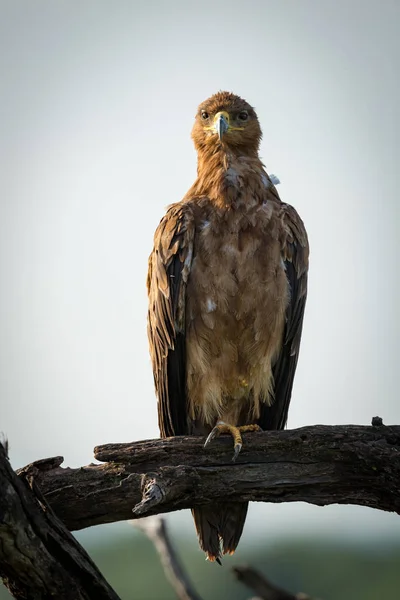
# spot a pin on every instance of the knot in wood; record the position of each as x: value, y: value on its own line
x: 153, y: 493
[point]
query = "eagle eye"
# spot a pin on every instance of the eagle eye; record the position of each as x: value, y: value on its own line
x: 243, y: 115
x: 204, y: 115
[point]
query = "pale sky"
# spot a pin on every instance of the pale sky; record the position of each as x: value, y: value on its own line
x: 97, y: 104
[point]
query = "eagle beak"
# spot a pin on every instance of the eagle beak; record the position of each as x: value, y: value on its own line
x: 221, y: 123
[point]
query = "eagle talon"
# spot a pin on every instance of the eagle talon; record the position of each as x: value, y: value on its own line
x: 214, y: 433
x: 235, y: 432
x: 238, y: 448
x: 222, y: 427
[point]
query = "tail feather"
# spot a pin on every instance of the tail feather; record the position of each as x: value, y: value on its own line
x: 219, y: 527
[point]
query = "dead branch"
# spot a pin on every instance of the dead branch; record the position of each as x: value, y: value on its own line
x: 321, y: 465
x: 264, y: 589
x: 343, y: 464
x: 156, y: 530
x: 39, y: 558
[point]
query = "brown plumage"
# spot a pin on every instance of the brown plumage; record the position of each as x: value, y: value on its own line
x: 227, y: 287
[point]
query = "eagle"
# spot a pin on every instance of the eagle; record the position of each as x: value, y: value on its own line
x: 227, y: 286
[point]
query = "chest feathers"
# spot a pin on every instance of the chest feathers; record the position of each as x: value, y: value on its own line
x: 237, y: 294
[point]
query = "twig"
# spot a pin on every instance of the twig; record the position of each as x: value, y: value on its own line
x: 264, y: 589
x: 156, y: 530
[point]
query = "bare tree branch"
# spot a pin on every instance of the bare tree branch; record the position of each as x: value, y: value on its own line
x: 322, y: 465
x: 264, y: 589
x: 156, y: 530
x: 343, y: 464
x: 39, y: 558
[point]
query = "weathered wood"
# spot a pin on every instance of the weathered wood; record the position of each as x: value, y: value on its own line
x: 344, y: 464
x: 322, y: 465
x: 39, y: 558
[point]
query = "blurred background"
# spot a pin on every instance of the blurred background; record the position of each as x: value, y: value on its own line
x: 97, y: 104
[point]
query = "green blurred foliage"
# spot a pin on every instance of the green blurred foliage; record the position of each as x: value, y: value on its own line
x: 328, y: 571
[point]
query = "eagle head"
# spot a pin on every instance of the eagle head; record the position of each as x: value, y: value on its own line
x: 226, y: 120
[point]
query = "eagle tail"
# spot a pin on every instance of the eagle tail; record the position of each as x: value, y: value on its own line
x: 219, y: 527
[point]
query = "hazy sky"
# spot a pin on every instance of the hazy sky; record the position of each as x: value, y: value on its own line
x: 97, y: 103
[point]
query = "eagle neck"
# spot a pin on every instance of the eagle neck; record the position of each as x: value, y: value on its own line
x: 229, y: 178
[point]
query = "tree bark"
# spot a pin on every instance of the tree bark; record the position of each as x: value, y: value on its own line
x: 344, y: 464
x: 39, y: 558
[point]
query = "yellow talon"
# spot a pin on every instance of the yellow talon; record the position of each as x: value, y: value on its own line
x: 235, y: 432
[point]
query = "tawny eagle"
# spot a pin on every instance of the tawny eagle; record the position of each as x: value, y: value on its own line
x: 227, y: 286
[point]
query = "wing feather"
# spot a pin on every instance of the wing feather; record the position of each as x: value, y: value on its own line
x: 295, y: 257
x: 169, y: 269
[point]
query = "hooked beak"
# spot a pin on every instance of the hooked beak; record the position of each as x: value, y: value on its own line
x: 221, y: 123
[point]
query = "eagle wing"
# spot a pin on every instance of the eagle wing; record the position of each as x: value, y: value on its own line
x: 295, y: 257
x: 169, y: 268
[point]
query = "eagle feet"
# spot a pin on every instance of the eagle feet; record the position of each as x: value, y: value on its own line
x: 235, y: 432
